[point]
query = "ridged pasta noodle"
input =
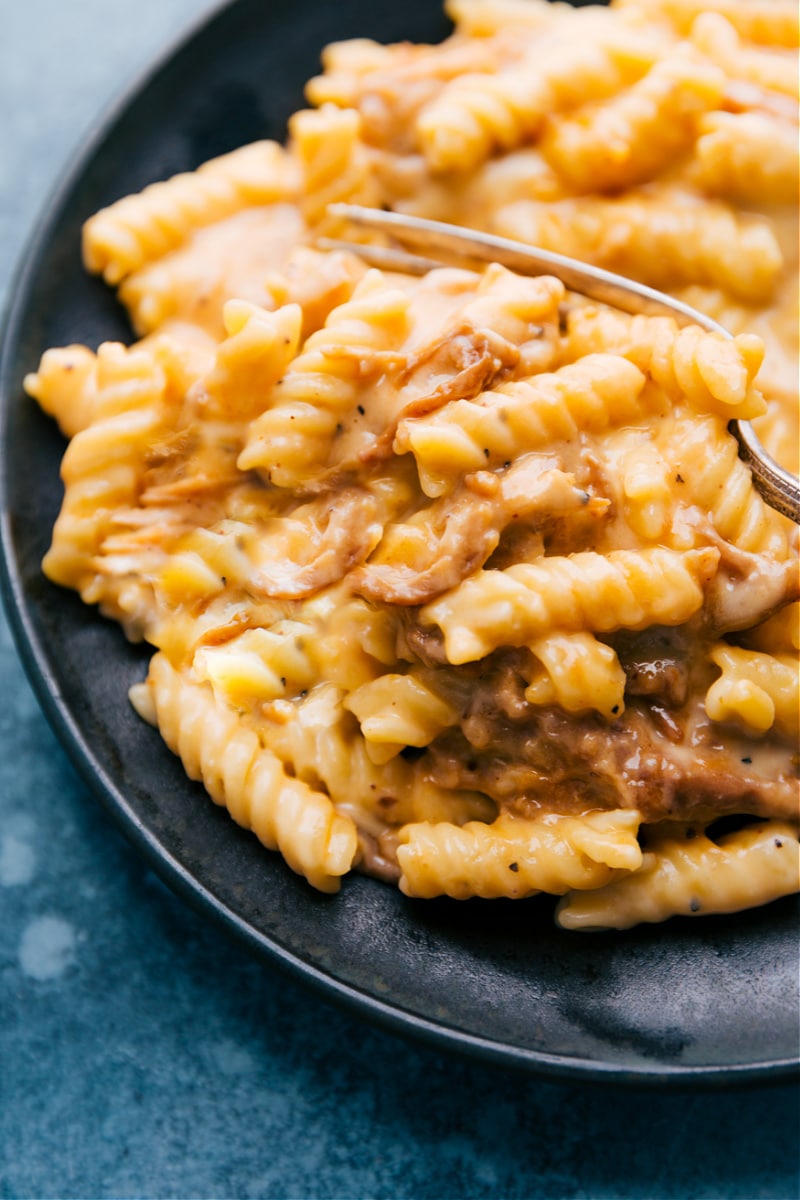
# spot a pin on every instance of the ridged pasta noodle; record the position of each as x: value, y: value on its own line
x: 630, y: 589
x: 746, y: 156
x: 323, y: 749
x: 102, y: 466
x: 776, y: 23
x: 771, y: 69
x: 139, y: 229
x: 479, y: 113
x: 592, y: 394
x: 399, y: 710
x: 516, y: 858
x: 259, y: 347
x: 693, y: 876
x: 760, y: 690
x: 284, y: 813
x: 711, y: 373
x: 290, y: 443
x: 65, y: 385
x: 580, y: 673
x: 714, y: 477
x: 638, y: 132
x: 333, y: 160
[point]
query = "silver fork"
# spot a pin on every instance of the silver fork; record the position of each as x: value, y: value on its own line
x: 442, y: 243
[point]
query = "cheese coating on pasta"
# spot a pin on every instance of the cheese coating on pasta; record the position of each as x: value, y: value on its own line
x: 694, y: 877
x: 458, y: 580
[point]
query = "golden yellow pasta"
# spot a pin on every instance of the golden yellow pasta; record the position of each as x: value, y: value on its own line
x: 760, y: 690
x: 285, y: 813
x: 693, y: 875
x: 515, y: 858
x: 458, y: 579
x: 138, y: 229
x: 628, y: 589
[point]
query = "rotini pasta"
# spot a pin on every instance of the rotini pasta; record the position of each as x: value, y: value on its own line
x: 459, y: 580
x: 630, y: 589
x: 517, y: 858
x: 624, y: 141
x: 760, y: 690
x: 519, y: 416
x: 775, y: 24
x: 139, y: 229
x: 580, y: 673
x: 284, y: 813
x: 773, y: 69
x: 693, y: 876
x: 748, y: 157
x: 291, y: 442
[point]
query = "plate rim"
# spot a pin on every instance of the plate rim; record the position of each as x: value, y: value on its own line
x: 110, y: 794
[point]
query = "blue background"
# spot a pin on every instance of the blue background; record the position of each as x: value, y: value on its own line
x: 142, y: 1053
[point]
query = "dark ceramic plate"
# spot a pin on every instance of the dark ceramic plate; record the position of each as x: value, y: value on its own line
x: 713, y: 1001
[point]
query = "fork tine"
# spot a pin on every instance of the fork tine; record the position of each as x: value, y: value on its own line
x: 463, y: 244
x: 386, y: 257
x: 468, y: 247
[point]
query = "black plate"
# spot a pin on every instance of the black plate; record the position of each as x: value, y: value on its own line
x: 712, y: 1001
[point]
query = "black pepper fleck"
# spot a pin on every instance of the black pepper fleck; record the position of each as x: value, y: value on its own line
x: 779, y: 843
x: 361, y: 409
x: 513, y: 866
x: 747, y: 759
x: 694, y: 906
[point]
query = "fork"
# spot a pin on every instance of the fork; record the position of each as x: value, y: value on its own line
x: 442, y: 244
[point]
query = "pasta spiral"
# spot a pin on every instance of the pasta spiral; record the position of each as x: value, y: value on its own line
x: 584, y: 591
x: 662, y: 240
x: 139, y: 229
x: 517, y: 858
x: 693, y: 877
x: 291, y: 442
x: 643, y: 129
x: 761, y: 690
x: 520, y: 416
x: 284, y: 813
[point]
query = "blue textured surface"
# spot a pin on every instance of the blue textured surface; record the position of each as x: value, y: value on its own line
x: 144, y: 1054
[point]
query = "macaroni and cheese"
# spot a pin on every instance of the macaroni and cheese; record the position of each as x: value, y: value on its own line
x: 458, y: 579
